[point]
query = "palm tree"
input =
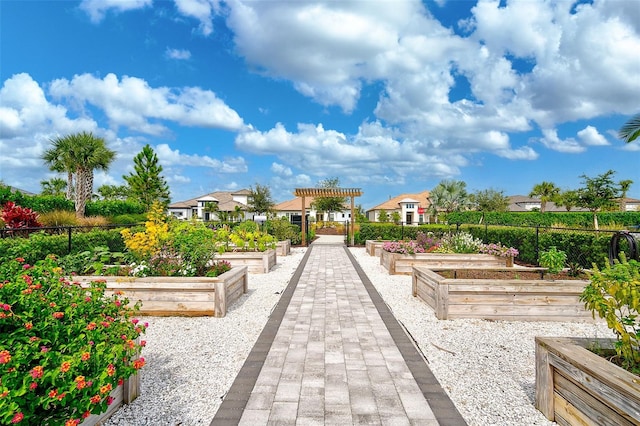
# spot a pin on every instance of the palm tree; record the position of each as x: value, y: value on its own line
x: 58, y: 158
x: 631, y: 129
x: 54, y: 186
x: 449, y: 196
x: 547, y: 191
x: 624, y: 188
x: 79, y: 155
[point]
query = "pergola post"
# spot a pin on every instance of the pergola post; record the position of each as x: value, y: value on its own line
x: 328, y: 192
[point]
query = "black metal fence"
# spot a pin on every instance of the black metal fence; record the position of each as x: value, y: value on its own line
x: 68, y: 230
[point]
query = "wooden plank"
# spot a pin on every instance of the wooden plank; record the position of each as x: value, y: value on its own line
x: 565, y: 413
x: 580, y: 404
x: 544, y: 383
x: 617, y: 398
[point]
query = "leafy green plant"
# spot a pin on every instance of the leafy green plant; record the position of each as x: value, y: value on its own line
x: 63, y: 347
x: 553, y: 259
x: 614, y: 294
x: 575, y: 269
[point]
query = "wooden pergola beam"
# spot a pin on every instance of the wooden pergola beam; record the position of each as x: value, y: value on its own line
x: 327, y: 192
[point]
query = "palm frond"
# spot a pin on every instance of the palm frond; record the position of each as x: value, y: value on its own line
x: 631, y: 129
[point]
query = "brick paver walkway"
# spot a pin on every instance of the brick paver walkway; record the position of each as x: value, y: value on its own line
x: 333, y: 354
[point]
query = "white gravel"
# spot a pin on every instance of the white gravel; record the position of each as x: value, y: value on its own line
x: 487, y: 368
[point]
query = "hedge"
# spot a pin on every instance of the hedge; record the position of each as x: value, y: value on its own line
x: 582, y: 220
x: 38, y: 245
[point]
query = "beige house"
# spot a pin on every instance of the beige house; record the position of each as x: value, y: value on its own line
x: 293, y: 207
x: 226, y: 201
x: 412, y: 208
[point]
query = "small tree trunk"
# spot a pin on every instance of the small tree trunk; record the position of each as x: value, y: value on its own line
x: 69, y: 186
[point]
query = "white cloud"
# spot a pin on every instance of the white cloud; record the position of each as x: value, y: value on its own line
x: 133, y: 103
x: 180, y: 54
x: 97, y: 9
x: 202, y: 10
x: 281, y: 170
x: 590, y: 136
x: 170, y: 157
x: 552, y: 141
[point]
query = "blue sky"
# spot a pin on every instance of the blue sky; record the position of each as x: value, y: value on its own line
x: 388, y: 96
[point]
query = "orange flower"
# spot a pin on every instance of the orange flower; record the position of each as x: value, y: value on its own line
x: 58, y: 315
x: 106, y: 388
x: 91, y: 326
x: 53, y: 393
x: 37, y: 372
x: 85, y: 356
x: 80, y: 383
x: 138, y: 363
x: 111, y: 370
x: 5, y: 357
x: 28, y: 325
x: 72, y: 422
x: 65, y: 366
x: 95, y: 399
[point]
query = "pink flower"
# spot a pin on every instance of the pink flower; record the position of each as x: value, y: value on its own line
x: 26, y: 266
x: 17, y: 418
x: 5, y: 357
x: 135, y: 321
x: 33, y: 385
x: 36, y: 372
x: 58, y: 315
x: 6, y: 307
x: 109, y: 400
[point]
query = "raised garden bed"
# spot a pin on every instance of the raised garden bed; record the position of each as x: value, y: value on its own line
x: 511, y: 299
x: 397, y: 263
x: 258, y: 262
x: 179, y: 296
x: 124, y: 394
x: 374, y: 247
x: 575, y: 386
x: 283, y: 248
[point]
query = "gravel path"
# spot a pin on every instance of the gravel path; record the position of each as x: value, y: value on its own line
x: 487, y: 368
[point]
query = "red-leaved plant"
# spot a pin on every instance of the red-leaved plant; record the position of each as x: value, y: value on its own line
x: 15, y: 216
x: 63, y: 348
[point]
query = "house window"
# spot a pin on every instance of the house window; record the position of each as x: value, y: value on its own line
x: 411, y: 206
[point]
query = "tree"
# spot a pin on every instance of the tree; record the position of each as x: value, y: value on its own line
x: 329, y: 204
x: 599, y: 193
x: 212, y: 207
x: 113, y: 192
x: 624, y: 188
x: 631, y: 129
x: 78, y: 155
x: 546, y: 191
x: 395, y: 218
x: 361, y: 217
x: 567, y: 199
x: 54, y: 186
x: 383, y: 216
x: 237, y: 213
x: 147, y: 184
x: 260, y: 201
x: 448, y: 196
x: 489, y: 200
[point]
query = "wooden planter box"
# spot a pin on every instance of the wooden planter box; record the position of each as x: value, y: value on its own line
x: 374, y: 247
x: 577, y: 387
x: 397, y: 263
x: 258, y: 262
x: 512, y: 300
x: 283, y: 248
x: 124, y: 394
x: 179, y: 296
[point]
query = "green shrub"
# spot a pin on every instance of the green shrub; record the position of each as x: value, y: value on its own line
x: 113, y: 208
x: 128, y: 219
x: 553, y: 259
x: 614, y: 294
x: 282, y: 229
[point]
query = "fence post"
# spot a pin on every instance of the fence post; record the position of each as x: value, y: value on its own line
x: 537, y: 244
x: 69, y: 245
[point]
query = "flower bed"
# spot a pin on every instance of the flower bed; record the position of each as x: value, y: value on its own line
x: 397, y: 263
x: 574, y: 386
x: 509, y: 299
x: 179, y: 296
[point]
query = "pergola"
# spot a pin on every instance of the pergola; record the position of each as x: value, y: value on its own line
x: 327, y: 192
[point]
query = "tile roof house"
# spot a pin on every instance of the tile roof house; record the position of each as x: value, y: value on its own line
x: 227, y: 202
x: 411, y: 207
x: 293, y: 207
